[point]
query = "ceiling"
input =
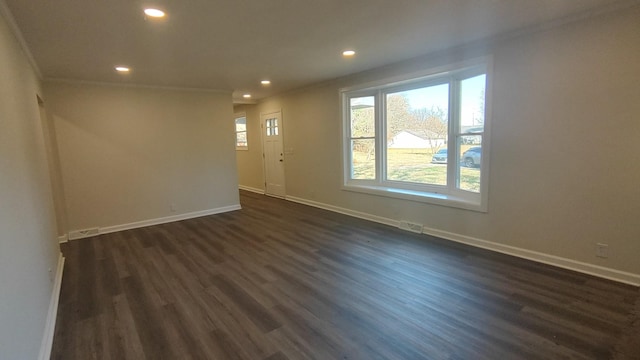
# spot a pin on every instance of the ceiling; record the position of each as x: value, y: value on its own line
x: 231, y: 45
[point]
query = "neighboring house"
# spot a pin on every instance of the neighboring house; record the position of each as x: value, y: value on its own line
x: 412, y: 140
x: 472, y: 139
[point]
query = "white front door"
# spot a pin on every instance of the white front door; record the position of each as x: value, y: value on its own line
x: 271, y: 125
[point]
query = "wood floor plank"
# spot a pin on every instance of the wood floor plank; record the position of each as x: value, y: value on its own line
x: 250, y: 307
x: 150, y: 326
x: 242, y: 332
x: 124, y: 329
x: 279, y: 280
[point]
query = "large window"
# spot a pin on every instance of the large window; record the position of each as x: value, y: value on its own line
x: 422, y: 139
x: 241, y: 132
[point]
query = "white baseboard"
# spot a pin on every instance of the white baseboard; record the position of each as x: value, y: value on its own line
x: 252, y: 189
x: 163, y: 220
x: 50, y: 327
x: 358, y: 214
x: 595, y: 270
x: 63, y: 239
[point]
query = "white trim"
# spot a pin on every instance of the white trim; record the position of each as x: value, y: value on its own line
x: 357, y: 214
x: 50, y: 327
x: 449, y: 200
x: 11, y: 21
x: 579, y: 266
x: 63, y: 238
x: 582, y: 267
x: 158, y: 221
x: 252, y: 189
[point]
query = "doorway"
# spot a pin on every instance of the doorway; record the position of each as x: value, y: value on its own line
x: 273, y: 153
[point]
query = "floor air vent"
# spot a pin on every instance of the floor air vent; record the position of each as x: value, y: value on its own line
x: 409, y: 226
x: 79, y: 234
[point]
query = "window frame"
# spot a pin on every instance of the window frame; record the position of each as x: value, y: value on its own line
x: 447, y: 195
x: 236, y: 132
x: 360, y: 94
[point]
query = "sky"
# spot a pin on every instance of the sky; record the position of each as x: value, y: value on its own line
x: 438, y: 96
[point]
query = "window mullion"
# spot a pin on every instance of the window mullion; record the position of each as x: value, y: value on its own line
x: 381, y: 133
x: 453, y: 145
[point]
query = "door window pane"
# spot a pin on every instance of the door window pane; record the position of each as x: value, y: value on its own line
x: 272, y: 127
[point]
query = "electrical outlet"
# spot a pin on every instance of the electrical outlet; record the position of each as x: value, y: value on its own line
x: 602, y: 250
x: 172, y: 207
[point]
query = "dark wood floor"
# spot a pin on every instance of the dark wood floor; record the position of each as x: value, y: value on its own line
x: 279, y: 280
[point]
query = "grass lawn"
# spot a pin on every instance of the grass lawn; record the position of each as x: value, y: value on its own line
x: 414, y: 165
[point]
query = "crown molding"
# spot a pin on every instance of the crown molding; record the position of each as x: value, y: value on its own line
x: 133, y: 85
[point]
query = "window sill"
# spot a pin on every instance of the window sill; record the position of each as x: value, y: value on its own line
x: 420, y: 196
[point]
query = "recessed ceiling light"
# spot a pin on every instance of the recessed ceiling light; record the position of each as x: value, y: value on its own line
x: 122, y: 69
x: 265, y: 82
x: 246, y: 96
x: 156, y: 13
x: 348, y: 53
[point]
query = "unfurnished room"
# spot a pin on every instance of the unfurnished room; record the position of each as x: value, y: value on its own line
x: 364, y: 179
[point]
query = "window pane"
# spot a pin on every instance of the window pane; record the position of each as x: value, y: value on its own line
x: 472, y: 107
x: 417, y: 129
x: 241, y: 138
x: 241, y: 131
x: 469, y: 165
x: 363, y: 159
x: 472, y: 104
x: 362, y: 117
x: 241, y: 124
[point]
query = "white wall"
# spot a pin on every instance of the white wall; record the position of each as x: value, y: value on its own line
x: 128, y: 153
x: 28, y: 242
x: 564, y: 146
